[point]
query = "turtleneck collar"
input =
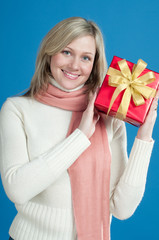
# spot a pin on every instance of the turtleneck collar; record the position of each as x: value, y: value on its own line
x: 54, y: 83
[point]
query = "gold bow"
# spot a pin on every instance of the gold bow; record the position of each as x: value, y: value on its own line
x: 133, y: 85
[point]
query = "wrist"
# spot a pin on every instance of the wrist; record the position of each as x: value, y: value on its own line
x: 144, y: 138
x: 83, y: 131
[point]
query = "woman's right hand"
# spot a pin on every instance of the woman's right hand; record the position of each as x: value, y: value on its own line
x: 89, y: 118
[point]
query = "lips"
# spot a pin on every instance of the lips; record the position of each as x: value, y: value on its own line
x: 70, y: 75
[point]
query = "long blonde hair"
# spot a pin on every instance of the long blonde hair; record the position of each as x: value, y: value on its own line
x: 56, y: 40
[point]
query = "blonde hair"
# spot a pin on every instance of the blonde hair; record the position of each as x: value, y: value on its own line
x: 56, y: 40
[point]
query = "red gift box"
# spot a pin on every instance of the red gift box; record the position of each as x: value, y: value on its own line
x: 135, y: 114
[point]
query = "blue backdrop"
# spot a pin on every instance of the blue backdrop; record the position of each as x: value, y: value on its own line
x: 130, y: 30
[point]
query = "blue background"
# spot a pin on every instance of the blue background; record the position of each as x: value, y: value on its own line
x: 131, y: 31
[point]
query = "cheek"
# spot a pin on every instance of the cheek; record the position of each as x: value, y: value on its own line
x: 88, y: 69
x: 57, y: 61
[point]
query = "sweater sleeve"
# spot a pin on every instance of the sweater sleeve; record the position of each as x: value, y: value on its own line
x: 22, y: 177
x: 128, y: 176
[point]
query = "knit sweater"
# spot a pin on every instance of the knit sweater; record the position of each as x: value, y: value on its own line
x: 35, y: 155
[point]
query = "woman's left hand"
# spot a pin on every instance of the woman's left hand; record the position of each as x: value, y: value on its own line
x: 146, y: 129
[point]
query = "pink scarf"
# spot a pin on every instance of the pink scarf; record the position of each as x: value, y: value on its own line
x: 90, y: 173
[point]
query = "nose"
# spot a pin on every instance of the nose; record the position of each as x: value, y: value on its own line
x: 74, y: 63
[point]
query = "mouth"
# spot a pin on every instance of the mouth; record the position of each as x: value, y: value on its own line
x: 70, y: 75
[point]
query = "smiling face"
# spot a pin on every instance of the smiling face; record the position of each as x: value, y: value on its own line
x: 73, y: 65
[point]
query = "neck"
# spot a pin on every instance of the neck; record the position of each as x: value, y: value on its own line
x: 56, y: 84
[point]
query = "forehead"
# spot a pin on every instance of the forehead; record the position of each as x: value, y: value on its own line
x: 83, y: 44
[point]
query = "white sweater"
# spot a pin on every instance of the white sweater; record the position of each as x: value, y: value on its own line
x: 35, y: 155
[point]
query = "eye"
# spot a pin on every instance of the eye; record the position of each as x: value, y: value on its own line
x: 86, y: 58
x: 67, y: 53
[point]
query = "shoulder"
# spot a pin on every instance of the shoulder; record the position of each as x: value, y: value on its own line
x: 19, y: 100
x: 16, y: 106
x: 18, y: 103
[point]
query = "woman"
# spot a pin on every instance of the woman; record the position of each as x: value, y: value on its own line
x: 63, y: 164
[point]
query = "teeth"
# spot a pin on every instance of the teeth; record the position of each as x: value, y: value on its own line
x: 69, y: 74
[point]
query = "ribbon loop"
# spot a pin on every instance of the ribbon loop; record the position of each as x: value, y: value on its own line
x: 139, y: 68
x: 125, y: 69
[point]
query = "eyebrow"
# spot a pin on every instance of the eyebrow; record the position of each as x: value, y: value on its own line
x: 83, y: 52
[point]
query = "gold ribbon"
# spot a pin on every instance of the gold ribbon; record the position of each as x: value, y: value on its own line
x: 133, y: 85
